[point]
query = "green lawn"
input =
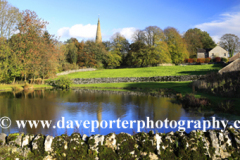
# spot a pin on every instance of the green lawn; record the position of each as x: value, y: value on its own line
x: 148, y: 71
x: 8, y: 87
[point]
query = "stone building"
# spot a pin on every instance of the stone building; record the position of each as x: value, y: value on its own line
x: 214, y: 52
x: 98, y: 35
x: 233, y: 58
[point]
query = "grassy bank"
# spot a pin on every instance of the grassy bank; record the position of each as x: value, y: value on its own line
x: 181, y: 87
x: 148, y: 71
x: 8, y: 87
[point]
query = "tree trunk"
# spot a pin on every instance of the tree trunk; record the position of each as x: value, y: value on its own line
x: 43, y: 80
x: 14, y: 80
x: 25, y: 78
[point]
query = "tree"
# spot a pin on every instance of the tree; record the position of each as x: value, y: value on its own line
x: 97, y: 50
x: 231, y: 43
x: 176, y: 45
x: 9, y: 18
x: 139, y: 36
x: 71, y: 53
x: 195, y: 38
x: 113, y: 59
x: 34, y: 47
x: 152, y: 34
x: 107, y: 45
x: 119, y: 43
x: 163, y: 52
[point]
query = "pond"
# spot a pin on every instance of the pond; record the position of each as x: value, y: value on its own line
x: 69, y: 111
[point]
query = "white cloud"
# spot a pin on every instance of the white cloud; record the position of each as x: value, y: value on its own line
x: 227, y: 23
x: 126, y: 32
x: 78, y: 31
x: 63, y: 32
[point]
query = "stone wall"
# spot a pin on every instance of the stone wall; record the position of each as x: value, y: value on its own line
x: 136, y: 79
x: 77, y: 70
x: 232, y: 67
x: 166, y: 64
x: 213, y: 144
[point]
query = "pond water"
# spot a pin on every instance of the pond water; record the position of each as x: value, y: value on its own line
x: 67, y: 109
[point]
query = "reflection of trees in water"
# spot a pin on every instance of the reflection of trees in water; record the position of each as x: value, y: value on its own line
x: 47, y: 104
x: 155, y: 108
x: 27, y: 106
x: 141, y: 106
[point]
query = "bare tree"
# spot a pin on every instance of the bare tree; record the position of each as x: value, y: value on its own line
x: 153, y: 33
x: 139, y: 36
x: 231, y: 43
x: 9, y: 18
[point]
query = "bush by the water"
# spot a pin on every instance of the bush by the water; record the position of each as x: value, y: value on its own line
x: 17, y: 88
x: 27, y: 86
x: 190, y: 101
x: 63, y: 82
x: 226, y: 85
x: 226, y: 105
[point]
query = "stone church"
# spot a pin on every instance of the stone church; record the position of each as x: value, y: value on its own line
x: 214, y: 52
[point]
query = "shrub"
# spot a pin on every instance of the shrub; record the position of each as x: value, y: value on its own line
x: 200, y: 60
x: 63, y: 82
x: 17, y: 88
x: 226, y: 105
x: 224, y: 59
x: 217, y: 59
x: 189, y: 100
x: 38, y: 81
x: 190, y: 60
x: 27, y: 86
x: 186, y: 61
x: 68, y: 66
x: 207, y: 60
x: 194, y: 59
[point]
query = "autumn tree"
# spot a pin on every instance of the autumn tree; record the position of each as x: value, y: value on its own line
x: 34, y: 48
x: 176, y: 45
x: 195, y: 38
x: 97, y: 50
x: 231, y: 43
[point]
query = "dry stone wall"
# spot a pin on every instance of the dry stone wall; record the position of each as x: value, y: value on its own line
x: 77, y: 70
x: 213, y: 144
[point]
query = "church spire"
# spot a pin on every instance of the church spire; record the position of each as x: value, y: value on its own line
x: 98, y: 36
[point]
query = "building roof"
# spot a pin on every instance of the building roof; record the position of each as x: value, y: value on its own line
x: 233, y: 58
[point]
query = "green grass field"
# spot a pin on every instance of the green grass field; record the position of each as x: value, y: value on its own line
x: 8, y: 87
x: 148, y: 71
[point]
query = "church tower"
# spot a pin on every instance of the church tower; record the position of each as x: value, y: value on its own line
x: 98, y: 36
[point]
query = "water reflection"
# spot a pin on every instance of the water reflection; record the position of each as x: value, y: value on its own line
x: 86, y: 105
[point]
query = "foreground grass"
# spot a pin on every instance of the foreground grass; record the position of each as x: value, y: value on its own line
x: 8, y: 87
x: 148, y: 71
x: 181, y: 87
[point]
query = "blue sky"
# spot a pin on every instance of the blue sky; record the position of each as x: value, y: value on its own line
x: 78, y: 18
